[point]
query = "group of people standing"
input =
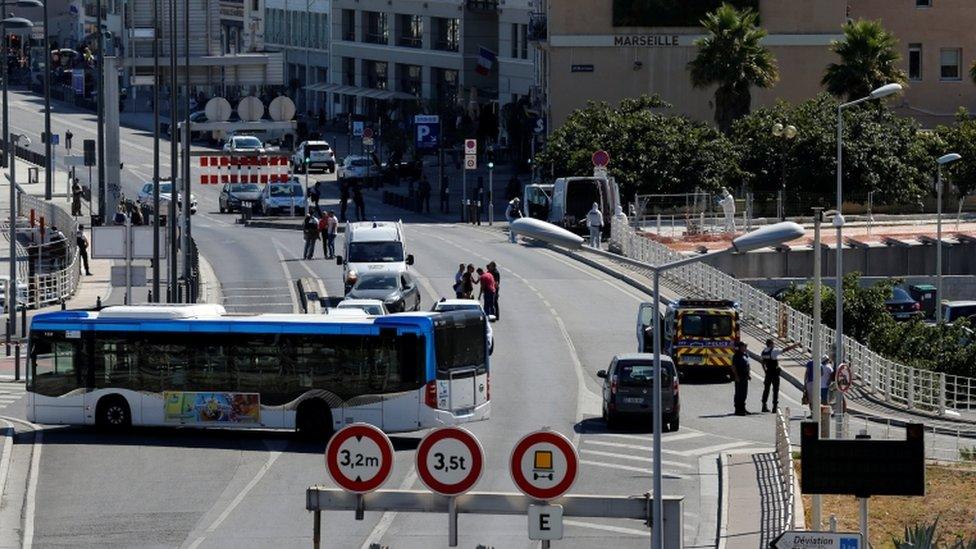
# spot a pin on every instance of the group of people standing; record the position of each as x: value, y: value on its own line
x: 488, y: 280
x: 317, y: 226
x: 772, y: 371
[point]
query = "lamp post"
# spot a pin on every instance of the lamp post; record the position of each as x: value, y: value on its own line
x: 883, y: 91
x: 12, y: 286
x: 786, y: 134
x: 943, y: 160
x: 10, y: 23
x: 48, y: 158
x: 772, y: 235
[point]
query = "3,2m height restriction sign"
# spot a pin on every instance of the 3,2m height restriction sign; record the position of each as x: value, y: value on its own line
x: 450, y: 461
x: 359, y: 458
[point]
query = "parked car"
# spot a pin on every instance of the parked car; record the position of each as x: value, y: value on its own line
x: 398, y: 291
x: 444, y: 305
x: 243, y: 143
x: 902, y: 306
x: 373, y: 307
x: 954, y: 310
x: 283, y: 198
x: 320, y: 156
x: 165, y: 190
x: 627, y: 387
x: 357, y: 167
x: 232, y: 195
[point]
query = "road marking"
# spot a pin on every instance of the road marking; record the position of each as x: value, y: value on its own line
x: 646, y: 470
x: 607, y: 528
x: 272, y: 457
x: 284, y: 268
x: 30, y: 503
x: 668, y: 437
x: 710, y: 449
x: 387, y: 519
x: 8, y: 437
x: 634, y: 458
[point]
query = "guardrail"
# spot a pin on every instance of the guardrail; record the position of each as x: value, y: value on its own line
x: 55, y: 286
x: 787, y: 473
x: 879, y: 377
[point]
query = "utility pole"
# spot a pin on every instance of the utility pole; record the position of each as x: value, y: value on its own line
x: 185, y: 202
x: 100, y: 90
x: 174, y: 160
x: 48, y: 158
x: 156, y: 27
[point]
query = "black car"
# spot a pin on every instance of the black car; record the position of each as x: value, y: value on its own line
x: 902, y: 306
x: 398, y: 291
x: 627, y: 390
x: 233, y: 195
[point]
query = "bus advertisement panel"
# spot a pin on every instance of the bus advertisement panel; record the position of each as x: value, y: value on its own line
x: 194, y: 407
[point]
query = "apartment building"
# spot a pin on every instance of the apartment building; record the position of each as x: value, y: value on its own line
x: 301, y: 30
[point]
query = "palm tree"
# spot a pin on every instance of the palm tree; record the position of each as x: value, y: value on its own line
x: 868, y: 59
x: 732, y: 56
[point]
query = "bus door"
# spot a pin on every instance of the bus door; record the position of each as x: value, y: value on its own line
x: 645, y: 328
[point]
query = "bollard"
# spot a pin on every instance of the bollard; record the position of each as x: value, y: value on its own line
x: 150, y: 296
x: 98, y: 302
x: 17, y: 363
x: 65, y: 305
x: 23, y: 322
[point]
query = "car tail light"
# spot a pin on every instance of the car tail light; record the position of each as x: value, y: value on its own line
x: 430, y: 394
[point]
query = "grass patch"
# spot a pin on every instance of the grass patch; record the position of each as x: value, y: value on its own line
x: 950, y: 496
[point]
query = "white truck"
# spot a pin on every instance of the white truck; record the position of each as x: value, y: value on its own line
x: 372, y: 246
x: 566, y: 202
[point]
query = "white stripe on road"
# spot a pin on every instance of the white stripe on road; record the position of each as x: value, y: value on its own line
x: 634, y: 458
x: 710, y: 449
x: 284, y: 268
x: 667, y: 437
x: 30, y: 498
x: 608, y: 528
x: 387, y: 519
x: 8, y: 442
x: 646, y: 470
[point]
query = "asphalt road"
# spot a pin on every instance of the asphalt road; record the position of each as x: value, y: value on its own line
x: 560, y: 323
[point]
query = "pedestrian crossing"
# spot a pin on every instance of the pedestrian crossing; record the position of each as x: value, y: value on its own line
x: 10, y: 393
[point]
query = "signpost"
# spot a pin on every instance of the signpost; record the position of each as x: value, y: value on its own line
x: 544, y: 466
x: 359, y: 458
x: 450, y: 461
x: 792, y: 539
x: 470, y: 163
x: 358, y: 127
x: 427, y: 132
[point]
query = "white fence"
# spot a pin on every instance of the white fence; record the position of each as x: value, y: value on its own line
x: 884, y: 379
x: 51, y: 287
x: 787, y: 472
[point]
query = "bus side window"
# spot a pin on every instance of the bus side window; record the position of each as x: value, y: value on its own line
x: 54, y: 365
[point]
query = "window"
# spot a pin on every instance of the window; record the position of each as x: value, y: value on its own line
x: 410, y: 79
x: 524, y: 42
x: 915, y: 61
x: 375, y: 28
x: 349, y: 25
x: 54, y: 372
x: 950, y: 60
x: 515, y: 37
x: 349, y: 71
x: 411, y: 29
x: 923, y: 3
x: 446, y: 83
x: 376, y: 74
x: 446, y: 34
x: 699, y: 325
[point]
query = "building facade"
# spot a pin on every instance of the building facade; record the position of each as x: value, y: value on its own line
x: 301, y: 30
x: 592, y: 52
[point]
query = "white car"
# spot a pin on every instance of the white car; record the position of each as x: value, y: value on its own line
x: 357, y: 167
x: 165, y: 190
x: 283, y: 198
x: 244, y: 143
x: 445, y: 305
x: 320, y: 156
x: 373, y: 307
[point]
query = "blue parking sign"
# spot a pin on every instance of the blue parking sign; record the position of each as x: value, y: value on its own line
x: 427, y: 132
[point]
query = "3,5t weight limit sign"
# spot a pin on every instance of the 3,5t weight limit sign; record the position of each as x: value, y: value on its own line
x: 450, y: 461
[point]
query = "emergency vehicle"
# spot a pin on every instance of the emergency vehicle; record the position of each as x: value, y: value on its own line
x: 697, y: 333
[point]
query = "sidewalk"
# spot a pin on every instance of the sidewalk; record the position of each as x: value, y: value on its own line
x: 752, y: 505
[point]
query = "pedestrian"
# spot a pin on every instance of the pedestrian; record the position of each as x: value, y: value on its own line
x: 323, y: 227
x: 826, y: 373
x: 360, y: 203
x: 594, y: 220
x: 343, y: 199
x: 459, y: 282
x: 310, y: 230
x: 771, y: 375
x: 330, y: 234
x: 493, y: 269
x: 314, y: 194
x: 120, y: 216
x: 76, y: 194
x: 82, y: 240
x: 741, y: 374
x: 56, y: 235
x: 486, y: 285
x: 513, y: 212
x: 424, y: 193
x: 445, y: 196
x: 467, y: 282
x: 137, y: 218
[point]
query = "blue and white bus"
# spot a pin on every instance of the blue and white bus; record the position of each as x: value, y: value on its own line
x: 197, y: 366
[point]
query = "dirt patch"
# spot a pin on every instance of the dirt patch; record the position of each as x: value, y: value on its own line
x: 950, y: 496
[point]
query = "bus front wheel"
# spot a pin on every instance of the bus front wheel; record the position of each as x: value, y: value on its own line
x: 314, y: 420
x: 113, y: 413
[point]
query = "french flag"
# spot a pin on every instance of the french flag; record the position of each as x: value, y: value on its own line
x: 486, y: 59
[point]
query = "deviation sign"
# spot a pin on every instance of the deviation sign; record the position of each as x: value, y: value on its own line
x: 359, y: 458
x: 805, y: 540
x: 450, y: 461
x: 544, y: 465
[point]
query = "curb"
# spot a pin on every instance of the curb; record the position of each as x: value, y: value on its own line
x: 723, y: 501
x: 211, y: 283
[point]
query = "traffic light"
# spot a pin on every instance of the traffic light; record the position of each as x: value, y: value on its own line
x: 306, y: 154
x: 89, y: 152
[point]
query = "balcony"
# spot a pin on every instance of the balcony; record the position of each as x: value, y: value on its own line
x: 538, y: 30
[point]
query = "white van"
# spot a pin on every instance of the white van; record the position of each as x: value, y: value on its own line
x: 567, y: 201
x: 372, y: 246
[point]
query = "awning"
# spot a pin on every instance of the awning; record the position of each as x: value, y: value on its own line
x: 361, y: 92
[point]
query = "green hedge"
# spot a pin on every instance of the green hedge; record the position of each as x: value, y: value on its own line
x: 668, y: 13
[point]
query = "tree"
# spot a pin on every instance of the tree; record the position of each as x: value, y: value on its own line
x: 868, y: 59
x: 731, y: 55
x: 959, y: 138
x: 649, y: 152
x: 864, y: 309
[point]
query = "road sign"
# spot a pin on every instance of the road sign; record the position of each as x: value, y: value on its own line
x: 600, y: 171
x: 427, y: 131
x: 450, y: 461
x: 600, y: 158
x: 358, y: 127
x: 367, y: 133
x: 544, y: 464
x: 540, y: 125
x: 470, y: 146
x: 367, y: 141
x: 89, y: 147
x: 803, y: 540
x: 359, y: 458
x: 470, y: 162
x: 545, y: 522
x: 844, y: 378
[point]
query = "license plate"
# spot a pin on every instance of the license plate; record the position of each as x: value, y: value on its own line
x: 693, y: 359
x: 633, y: 400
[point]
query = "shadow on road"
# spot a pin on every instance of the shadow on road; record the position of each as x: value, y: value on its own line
x: 595, y: 425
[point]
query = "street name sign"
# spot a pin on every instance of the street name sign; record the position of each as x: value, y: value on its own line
x: 450, y: 461
x: 359, y: 458
x: 544, y: 465
x: 805, y: 540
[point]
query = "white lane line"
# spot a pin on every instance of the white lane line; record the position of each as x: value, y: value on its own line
x: 710, y: 449
x: 284, y: 268
x: 607, y: 528
x: 272, y: 457
x: 667, y: 437
x: 387, y: 519
x: 8, y: 438
x: 634, y: 458
x: 645, y: 470
x: 30, y: 503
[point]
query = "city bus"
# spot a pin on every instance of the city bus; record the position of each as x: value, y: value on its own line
x: 197, y: 366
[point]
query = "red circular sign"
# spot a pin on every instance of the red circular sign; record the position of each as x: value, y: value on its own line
x: 359, y: 458
x: 544, y: 465
x: 601, y: 158
x: 844, y: 377
x: 368, y: 133
x: 450, y: 461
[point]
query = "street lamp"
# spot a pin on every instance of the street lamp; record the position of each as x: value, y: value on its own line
x: 787, y: 134
x: 943, y: 160
x: 838, y: 222
x: 12, y: 287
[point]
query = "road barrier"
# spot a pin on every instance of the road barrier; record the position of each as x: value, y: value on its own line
x: 787, y: 473
x: 878, y: 377
x: 45, y: 288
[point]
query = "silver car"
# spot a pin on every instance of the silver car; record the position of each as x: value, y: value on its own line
x: 283, y: 198
x: 165, y: 190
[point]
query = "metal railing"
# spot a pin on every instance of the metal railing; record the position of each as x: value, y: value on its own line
x: 46, y: 288
x: 787, y: 472
x: 876, y: 376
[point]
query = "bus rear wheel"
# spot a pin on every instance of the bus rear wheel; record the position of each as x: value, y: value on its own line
x: 314, y: 420
x: 113, y: 413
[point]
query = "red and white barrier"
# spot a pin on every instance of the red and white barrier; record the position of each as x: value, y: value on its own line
x: 216, y: 170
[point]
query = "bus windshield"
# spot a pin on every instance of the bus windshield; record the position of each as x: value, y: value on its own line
x: 706, y: 325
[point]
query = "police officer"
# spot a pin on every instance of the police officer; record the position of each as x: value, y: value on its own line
x: 770, y: 363
x: 741, y: 375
